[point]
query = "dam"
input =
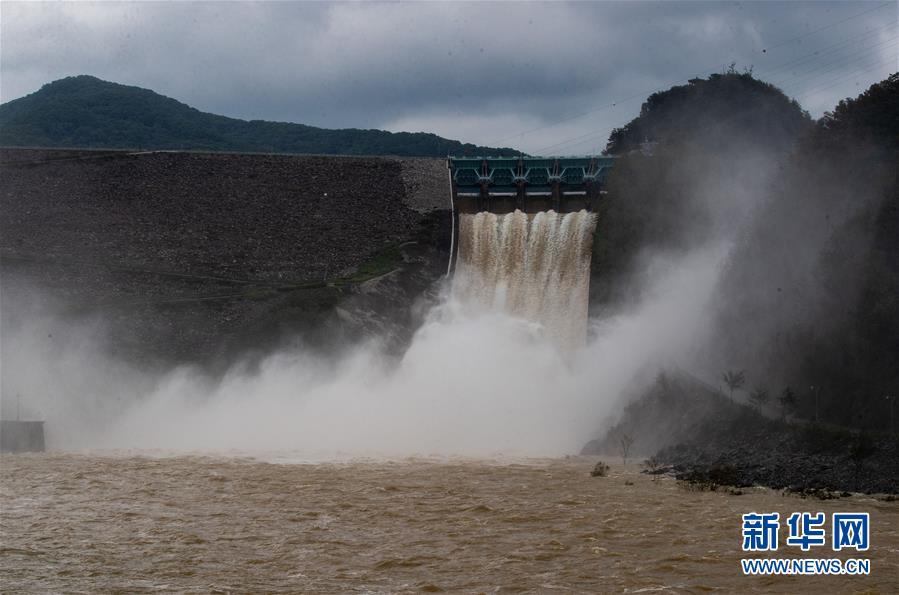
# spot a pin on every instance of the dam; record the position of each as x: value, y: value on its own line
x: 524, y: 236
x: 191, y: 256
x: 195, y: 256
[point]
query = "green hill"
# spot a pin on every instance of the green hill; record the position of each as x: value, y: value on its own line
x: 718, y: 113
x: 694, y: 151
x: 86, y: 112
x: 808, y: 295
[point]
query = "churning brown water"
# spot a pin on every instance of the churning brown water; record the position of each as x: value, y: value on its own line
x: 535, y: 267
x: 103, y: 524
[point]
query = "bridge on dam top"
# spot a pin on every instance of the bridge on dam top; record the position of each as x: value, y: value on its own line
x: 529, y: 184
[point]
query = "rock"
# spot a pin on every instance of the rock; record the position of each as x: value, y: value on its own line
x: 600, y: 470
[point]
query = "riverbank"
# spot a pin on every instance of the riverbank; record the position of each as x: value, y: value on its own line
x: 703, y: 436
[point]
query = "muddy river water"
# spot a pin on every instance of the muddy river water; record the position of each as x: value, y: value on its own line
x: 126, y: 522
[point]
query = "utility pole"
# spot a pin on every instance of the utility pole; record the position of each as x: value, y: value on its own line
x: 892, y: 400
x: 815, y: 391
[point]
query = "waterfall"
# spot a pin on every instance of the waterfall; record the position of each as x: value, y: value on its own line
x: 536, y: 267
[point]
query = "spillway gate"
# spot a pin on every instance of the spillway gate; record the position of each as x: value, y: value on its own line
x: 530, y: 184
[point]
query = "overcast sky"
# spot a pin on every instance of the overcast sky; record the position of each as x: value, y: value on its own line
x: 542, y: 77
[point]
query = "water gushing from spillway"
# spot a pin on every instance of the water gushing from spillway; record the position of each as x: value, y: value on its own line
x: 536, y: 267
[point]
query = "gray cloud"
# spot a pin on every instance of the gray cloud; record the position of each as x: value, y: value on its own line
x: 480, y: 72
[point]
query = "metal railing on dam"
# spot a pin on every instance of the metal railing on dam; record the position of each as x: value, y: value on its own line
x: 529, y: 184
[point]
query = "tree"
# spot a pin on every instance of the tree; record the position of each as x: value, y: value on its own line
x: 734, y: 380
x: 624, y: 444
x: 759, y: 397
x: 787, y: 402
x: 861, y: 447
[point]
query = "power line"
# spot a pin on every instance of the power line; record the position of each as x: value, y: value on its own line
x: 574, y: 117
x: 843, y: 60
x: 573, y: 142
x: 567, y: 141
x: 834, y: 82
x: 826, y: 50
x: 857, y: 56
x: 862, y: 58
x: 599, y: 132
x: 646, y: 93
x: 849, y: 18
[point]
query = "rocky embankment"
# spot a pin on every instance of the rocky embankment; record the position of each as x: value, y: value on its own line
x: 189, y: 256
x: 703, y: 437
x: 802, y: 457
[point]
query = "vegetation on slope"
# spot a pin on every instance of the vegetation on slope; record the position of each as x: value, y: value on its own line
x: 710, y: 439
x: 693, y: 150
x: 714, y: 112
x: 86, y: 112
x: 809, y: 298
x: 818, y: 272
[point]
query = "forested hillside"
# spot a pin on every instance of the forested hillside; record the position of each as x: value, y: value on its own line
x: 86, y: 112
x: 690, y: 166
x: 808, y: 300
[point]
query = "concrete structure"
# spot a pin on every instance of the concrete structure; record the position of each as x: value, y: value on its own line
x: 199, y: 257
x: 530, y: 184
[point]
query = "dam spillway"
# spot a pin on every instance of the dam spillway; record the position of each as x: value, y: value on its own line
x: 532, y: 266
x: 523, y: 237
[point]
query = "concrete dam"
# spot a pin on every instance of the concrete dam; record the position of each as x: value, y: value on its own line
x: 178, y: 257
x: 192, y: 256
x: 195, y: 257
